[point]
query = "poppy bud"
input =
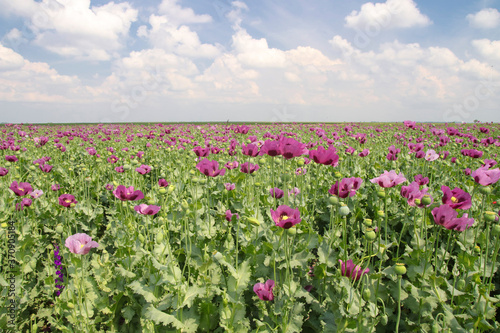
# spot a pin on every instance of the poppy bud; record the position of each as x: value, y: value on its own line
x: 489, y: 216
x: 426, y: 200
x: 461, y: 284
x: 159, y: 237
x: 435, y: 328
x: 384, y: 319
x: 262, y: 161
x: 380, y: 213
x: 301, y: 162
x: 59, y: 229
x: 162, y: 191
x: 485, y: 190
x: 184, y: 204
x: 381, y: 194
x: 400, y: 269
x: 418, y: 202
x: 333, y: 200
x: 126, y: 167
x: 70, y: 305
x: 171, y: 188
x: 254, y: 221
x: 4, y: 225
x: 367, y: 294
x: 32, y: 168
x: 338, y: 175
x: 141, y: 238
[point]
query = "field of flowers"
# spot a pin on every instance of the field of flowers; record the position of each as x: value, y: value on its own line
x: 250, y: 228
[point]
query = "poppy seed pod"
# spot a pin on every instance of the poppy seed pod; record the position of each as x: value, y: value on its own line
x: 489, y: 216
x: 400, y: 269
x: 344, y: 211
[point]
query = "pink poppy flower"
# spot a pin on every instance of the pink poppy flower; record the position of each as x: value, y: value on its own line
x: 45, y: 168
x: 285, y: 217
x: 264, y: 290
x: 163, y: 183
x: 231, y: 165
x: 271, y: 148
x: 143, y: 169
x: 248, y: 167
x: 26, y: 202
x: 80, y: 243
x: 446, y: 216
x: 276, y: 193
x: 11, y: 158
x: 456, y: 198
x: 201, y: 152
x: 421, y: 180
x: 389, y: 179
x: 230, y: 215
x: 210, y: 168
x: 147, y: 210
x: 67, y: 199
x: 250, y: 150
x: 3, y: 172
x: 351, y: 270
x: 229, y: 186
x: 112, y: 159
x: 364, y: 153
x: 36, y: 194
x: 431, y: 155
x: 346, y: 187
x: 124, y: 194
x: 324, y: 156
x: 486, y: 177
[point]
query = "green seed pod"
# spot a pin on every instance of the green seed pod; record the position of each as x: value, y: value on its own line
x: 400, y: 269
x: 141, y: 238
x: 344, y: 211
x: 184, y: 204
x: 489, y: 216
x: 301, y: 162
x: 126, y: 167
x: 258, y: 184
x: 59, y: 229
x: 381, y: 194
x: 370, y: 234
x: 171, y: 188
x: 485, y: 190
x: 426, y: 200
x: 291, y: 231
x: 162, y: 191
x: 380, y: 213
x: 367, y: 222
x: 333, y: 200
x: 262, y: 161
x: 32, y: 168
x: 71, y: 305
x: 151, y: 202
x: 338, y: 175
x: 435, y: 328
x: 477, y: 249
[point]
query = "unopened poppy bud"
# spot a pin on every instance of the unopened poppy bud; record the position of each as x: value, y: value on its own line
x: 367, y: 294
x: 400, y: 269
x: 333, y: 200
x: 70, y: 305
x: 461, y: 284
x: 32, y: 168
x: 162, y: 191
x: 253, y: 221
x: 171, y: 188
x: 381, y: 213
x: 381, y: 194
x: 338, y: 175
x: 485, y: 190
x: 291, y: 231
x: 59, y: 229
x: 384, y: 319
x: 4, y: 225
x: 184, y: 204
x: 489, y: 216
x: 141, y: 238
x: 98, y: 160
x: 426, y: 200
x: 126, y: 167
x: 151, y: 202
x: 496, y: 230
x: 72, y: 205
x: 217, y: 255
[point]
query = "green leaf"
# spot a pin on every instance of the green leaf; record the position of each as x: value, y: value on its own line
x: 145, y: 291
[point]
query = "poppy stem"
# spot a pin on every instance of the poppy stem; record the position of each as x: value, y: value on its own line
x: 399, y: 304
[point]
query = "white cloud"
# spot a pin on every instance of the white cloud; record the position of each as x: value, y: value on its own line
x: 390, y: 14
x: 74, y: 29
x: 178, y: 15
x: 488, y: 18
x: 234, y: 15
x: 9, y: 59
x: 488, y: 49
x: 25, y: 81
x: 255, y: 52
x: 177, y: 39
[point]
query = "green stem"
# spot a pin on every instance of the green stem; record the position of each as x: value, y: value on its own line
x: 399, y: 304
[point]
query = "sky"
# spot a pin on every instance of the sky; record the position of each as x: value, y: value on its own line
x: 67, y: 61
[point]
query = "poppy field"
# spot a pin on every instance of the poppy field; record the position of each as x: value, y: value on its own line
x: 350, y: 227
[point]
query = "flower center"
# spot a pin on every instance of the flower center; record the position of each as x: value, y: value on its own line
x: 82, y: 245
x: 284, y: 218
x: 454, y: 200
x: 67, y: 201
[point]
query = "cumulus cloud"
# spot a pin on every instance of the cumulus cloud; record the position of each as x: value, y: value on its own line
x: 388, y: 15
x: 488, y: 49
x: 74, y: 28
x: 9, y: 59
x: 177, y: 39
x: 178, y: 15
x: 487, y: 18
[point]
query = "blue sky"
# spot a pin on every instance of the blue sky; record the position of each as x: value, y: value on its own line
x: 296, y: 60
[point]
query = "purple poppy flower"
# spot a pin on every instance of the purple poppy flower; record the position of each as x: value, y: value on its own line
x: 420, y: 154
x: 447, y: 217
x: 248, y: 167
x: 210, y: 168
x: 201, y: 152
x: 486, y: 177
x: 120, y: 169
x: 36, y: 194
x: 300, y: 171
x: 11, y: 158
x: 112, y: 159
x: 26, y: 202
x: 285, y: 217
x: 147, y: 210
x: 163, y: 183
x: 456, y: 198
x: 230, y: 215
x: 347, y: 187
x: 80, y: 243
x: 109, y: 187
x: 231, y: 165
x: 350, y: 150
x: 324, y: 156
x: 124, y: 194
x: 3, y: 172
x: 291, y: 148
x: 271, y: 148
x: 91, y: 151
x: 389, y: 179
x: 421, y: 180
x: 250, y: 150
x: 55, y: 187
x: 21, y: 189
x: 364, y: 153
x: 45, y: 168
x: 489, y: 163
x: 293, y: 191
x: 276, y: 193
x: 143, y: 169
x: 264, y: 290
x: 351, y: 270
x: 467, y: 171
x: 67, y: 199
